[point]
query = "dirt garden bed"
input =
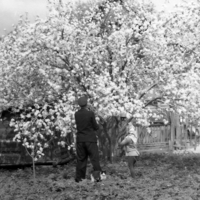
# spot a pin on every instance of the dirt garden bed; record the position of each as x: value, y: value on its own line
x: 157, y: 177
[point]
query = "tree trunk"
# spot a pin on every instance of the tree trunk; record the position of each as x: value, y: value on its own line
x: 108, y: 138
x: 34, y: 173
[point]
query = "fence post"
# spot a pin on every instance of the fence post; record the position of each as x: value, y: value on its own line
x: 172, y: 129
x: 178, y: 130
x: 195, y: 137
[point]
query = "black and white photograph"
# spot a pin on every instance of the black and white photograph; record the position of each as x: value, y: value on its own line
x: 99, y: 99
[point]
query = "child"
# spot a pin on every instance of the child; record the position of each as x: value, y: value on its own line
x: 129, y: 143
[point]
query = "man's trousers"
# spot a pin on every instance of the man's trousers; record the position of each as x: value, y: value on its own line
x: 85, y: 150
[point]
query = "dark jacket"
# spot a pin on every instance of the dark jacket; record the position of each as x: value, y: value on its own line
x: 86, y: 126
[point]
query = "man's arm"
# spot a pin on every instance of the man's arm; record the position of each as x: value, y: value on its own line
x: 94, y: 123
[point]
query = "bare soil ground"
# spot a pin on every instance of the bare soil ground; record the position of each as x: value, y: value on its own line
x: 157, y: 177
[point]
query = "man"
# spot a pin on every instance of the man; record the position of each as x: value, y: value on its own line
x: 86, y: 140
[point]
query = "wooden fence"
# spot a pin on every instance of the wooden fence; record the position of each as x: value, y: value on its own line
x: 184, y: 136
x: 153, y: 134
x: 154, y: 138
x: 168, y: 138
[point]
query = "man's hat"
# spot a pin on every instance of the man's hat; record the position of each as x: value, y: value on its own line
x: 82, y: 101
x: 123, y: 114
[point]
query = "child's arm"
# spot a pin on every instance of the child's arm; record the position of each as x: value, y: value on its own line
x: 124, y: 142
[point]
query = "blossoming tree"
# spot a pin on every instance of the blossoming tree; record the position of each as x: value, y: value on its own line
x: 120, y: 54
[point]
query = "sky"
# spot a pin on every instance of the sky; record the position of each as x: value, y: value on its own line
x: 11, y: 10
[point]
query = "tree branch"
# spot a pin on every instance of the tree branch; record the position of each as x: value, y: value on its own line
x: 124, y: 65
x: 155, y: 84
x: 110, y: 61
x: 151, y: 101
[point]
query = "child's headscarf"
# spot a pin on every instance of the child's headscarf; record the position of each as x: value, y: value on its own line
x: 132, y: 131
